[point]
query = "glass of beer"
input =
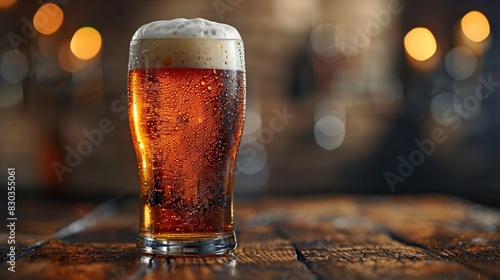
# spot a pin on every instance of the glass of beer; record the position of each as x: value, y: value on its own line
x: 186, y: 97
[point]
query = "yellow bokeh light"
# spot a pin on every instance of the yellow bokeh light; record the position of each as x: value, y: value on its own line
x: 420, y: 44
x: 48, y: 18
x: 4, y: 4
x: 475, y: 26
x: 86, y: 43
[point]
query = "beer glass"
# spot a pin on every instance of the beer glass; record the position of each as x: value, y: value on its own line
x: 186, y: 97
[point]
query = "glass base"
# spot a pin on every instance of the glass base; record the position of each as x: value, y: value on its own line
x: 220, y: 244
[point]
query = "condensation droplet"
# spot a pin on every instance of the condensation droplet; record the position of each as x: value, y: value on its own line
x: 167, y: 60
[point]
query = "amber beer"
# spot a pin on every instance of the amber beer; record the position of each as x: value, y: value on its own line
x: 186, y: 111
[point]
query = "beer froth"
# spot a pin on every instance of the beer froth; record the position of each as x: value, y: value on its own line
x: 187, y: 43
x: 186, y: 28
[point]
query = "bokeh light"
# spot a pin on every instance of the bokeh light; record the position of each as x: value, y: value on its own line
x: 328, y: 106
x: 68, y: 61
x: 49, y: 45
x: 460, y: 63
x: 467, y: 97
x: 86, y: 43
x: 254, y: 161
x: 253, y: 122
x: 323, y: 42
x: 251, y: 164
x: 420, y: 44
x: 48, y: 18
x: 441, y: 108
x: 329, y: 132
x: 13, y: 66
x: 475, y: 26
x: 4, y: 4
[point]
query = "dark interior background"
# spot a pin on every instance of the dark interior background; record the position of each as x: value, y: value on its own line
x: 349, y: 101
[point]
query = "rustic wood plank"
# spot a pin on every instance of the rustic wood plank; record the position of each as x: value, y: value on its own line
x: 318, y: 232
x: 92, y: 255
x: 57, y: 260
x: 261, y: 254
x: 354, y: 253
x: 454, y: 229
x: 342, y: 237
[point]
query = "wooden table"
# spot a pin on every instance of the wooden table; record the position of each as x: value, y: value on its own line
x: 318, y: 237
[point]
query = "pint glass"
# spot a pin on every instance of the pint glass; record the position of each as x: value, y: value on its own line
x: 186, y: 97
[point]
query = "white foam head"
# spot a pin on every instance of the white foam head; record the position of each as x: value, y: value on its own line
x: 187, y: 43
x: 186, y: 28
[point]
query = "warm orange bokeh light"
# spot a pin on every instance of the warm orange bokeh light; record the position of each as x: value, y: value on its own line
x: 48, y: 18
x: 4, y: 4
x: 68, y: 61
x: 420, y: 44
x: 86, y: 43
x: 475, y: 26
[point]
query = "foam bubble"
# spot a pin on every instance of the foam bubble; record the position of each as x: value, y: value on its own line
x: 186, y: 28
x: 187, y: 43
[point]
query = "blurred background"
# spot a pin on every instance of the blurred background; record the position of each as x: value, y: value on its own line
x: 358, y: 96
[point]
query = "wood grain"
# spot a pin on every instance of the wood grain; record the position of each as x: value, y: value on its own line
x: 330, y: 237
